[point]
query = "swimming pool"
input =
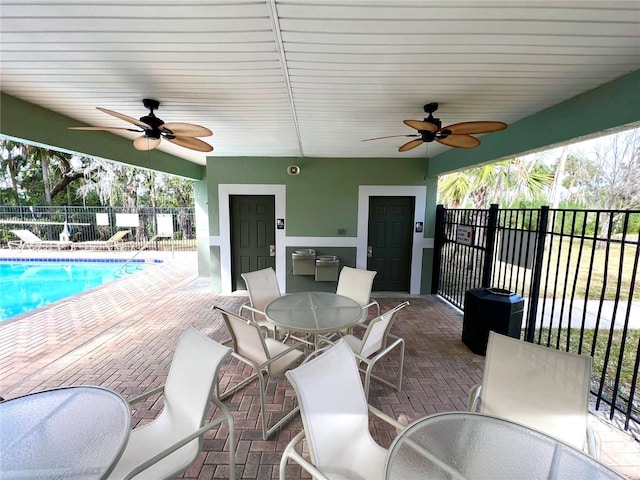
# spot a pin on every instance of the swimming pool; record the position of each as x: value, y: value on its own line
x: 27, y: 284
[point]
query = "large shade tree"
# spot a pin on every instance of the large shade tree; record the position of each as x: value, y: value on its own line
x: 32, y: 175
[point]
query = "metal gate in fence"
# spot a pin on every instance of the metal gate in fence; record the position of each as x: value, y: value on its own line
x: 578, y: 273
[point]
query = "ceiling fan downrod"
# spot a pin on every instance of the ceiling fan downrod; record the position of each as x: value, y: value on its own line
x: 151, y: 119
x: 430, y: 108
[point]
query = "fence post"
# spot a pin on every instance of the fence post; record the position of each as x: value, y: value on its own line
x: 492, y: 228
x: 536, y: 275
x: 438, y: 241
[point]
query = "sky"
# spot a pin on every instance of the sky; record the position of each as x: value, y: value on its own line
x: 584, y: 149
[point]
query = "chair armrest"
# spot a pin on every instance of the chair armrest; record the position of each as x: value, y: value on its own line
x: 474, y: 398
x: 382, y: 352
x: 291, y: 453
x: 593, y: 443
x: 247, y: 306
x: 283, y: 353
x: 390, y: 420
x: 144, y: 396
x: 153, y: 460
x: 371, y: 304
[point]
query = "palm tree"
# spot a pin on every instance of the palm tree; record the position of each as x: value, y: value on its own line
x: 501, y: 182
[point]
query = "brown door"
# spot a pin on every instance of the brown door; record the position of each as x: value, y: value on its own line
x: 252, y: 235
x: 390, y: 242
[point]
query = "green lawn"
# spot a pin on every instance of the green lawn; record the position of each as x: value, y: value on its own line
x: 591, y: 272
x: 599, y: 353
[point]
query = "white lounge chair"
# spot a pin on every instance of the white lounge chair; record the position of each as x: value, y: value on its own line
x: 115, y: 241
x: 30, y: 240
x: 538, y: 386
x: 167, y: 446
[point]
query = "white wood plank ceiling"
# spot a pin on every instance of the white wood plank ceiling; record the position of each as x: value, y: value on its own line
x: 311, y: 77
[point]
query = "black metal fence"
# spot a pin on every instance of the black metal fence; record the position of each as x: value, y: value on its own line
x: 155, y: 228
x: 577, y: 271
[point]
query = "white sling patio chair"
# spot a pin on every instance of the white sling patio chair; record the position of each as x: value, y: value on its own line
x: 376, y: 343
x: 540, y: 387
x: 335, y: 416
x: 167, y: 446
x: 262, y: 287
x: 267, y: 356
x: 31, y: 240
x: 356, y: 284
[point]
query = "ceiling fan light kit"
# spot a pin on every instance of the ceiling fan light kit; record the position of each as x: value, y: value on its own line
x: 457, y: 135
x: 155, y: 129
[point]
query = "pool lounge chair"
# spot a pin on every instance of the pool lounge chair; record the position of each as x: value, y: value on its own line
x: 30, y: 240
x: 115, y: 241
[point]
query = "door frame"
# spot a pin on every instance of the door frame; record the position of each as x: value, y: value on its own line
x: 419, y: 241
x: 224, y: 192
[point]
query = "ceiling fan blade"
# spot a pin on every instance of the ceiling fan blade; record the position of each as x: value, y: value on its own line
x: 410, y: 145
x: 105, y: 128
x: 144, y: 143
x: 459, y: 141
x: 186, y: 130
x: 389, y: 136
x: 192, y: 143
x: 126, y: 118
x: 421, y: 125
x: 466, y: 128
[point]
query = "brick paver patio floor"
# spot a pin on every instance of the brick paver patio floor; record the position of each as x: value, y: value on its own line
x: 122, y: 337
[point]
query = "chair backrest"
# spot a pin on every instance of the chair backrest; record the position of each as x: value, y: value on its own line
x: 262, y: 286
x: 26, y: 236
x: 538, y: 386
x: 191, y: 382
x: 118, y: 236
x: 375, y: 337
x: 333, y: 407
x: 356, y: 284
x: 246, y: 336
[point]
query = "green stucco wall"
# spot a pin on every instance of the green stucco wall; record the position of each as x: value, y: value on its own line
x: 324, y: 196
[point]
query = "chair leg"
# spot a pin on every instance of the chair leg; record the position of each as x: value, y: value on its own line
x: 370, y: 364
x: 266, y: 431
x: 231, y: 438
x: 262, y: 378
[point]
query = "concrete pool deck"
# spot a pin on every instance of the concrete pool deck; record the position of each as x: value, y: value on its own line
x: 122, y: 336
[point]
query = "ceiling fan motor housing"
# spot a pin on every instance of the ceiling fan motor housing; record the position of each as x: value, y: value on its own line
x: 427, y: 136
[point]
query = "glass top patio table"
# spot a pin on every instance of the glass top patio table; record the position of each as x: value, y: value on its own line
x: 71, y: 433
x: 466, y: 445
x: 313, y: 312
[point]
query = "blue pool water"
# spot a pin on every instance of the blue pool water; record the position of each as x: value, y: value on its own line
x: 29, y: 284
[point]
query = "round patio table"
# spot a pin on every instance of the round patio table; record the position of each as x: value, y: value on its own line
x: 466, y: 445
x: 71, y: 433
x: 313, y: 313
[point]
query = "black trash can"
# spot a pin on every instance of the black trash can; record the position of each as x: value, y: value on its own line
x: 487, y: 309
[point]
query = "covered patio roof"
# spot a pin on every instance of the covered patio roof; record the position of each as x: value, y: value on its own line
x: 294, y: 78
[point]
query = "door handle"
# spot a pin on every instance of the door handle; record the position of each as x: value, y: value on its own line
x: 369, y: 251
x: 272, y: 250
